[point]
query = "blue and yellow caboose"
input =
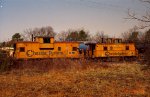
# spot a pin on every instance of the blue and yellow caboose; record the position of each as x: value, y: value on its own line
x: 111, y: 48
x: 45, y: 47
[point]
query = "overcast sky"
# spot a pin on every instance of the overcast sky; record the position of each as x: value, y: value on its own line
x: 92, y: 15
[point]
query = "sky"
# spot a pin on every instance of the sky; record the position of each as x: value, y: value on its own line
x: 92, y: 15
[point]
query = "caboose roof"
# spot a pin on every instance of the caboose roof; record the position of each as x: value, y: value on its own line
x: 43, y: 37
x: 27, y: 42
x: 90, y: 42
x: 67, y: 42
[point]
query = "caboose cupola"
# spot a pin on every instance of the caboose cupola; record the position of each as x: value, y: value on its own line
x: 45, y: 42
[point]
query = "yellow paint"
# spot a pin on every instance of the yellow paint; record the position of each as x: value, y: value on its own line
x: 46, y: 47
x: 38, y: 49
x: 114, y: 50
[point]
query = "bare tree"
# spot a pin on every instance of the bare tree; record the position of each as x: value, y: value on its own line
x: 126, y: 36
x: 143, y: 19
x: 73, y: 35
x: 62, y: 36
x: 43, y: 31
x: 144, y: 23
x: 98, y: 36
x: 27, y: 34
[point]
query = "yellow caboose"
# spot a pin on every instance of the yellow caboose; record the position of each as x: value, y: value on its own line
x: 45, y: 47
x: 111, y: 48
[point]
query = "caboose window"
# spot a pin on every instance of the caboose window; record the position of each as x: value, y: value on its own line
x: 105, y: 48
x: 59, y: 48
x: 22, y: 49
x: 127, y: 47
x: 74, y: 49
x: 46, y: 40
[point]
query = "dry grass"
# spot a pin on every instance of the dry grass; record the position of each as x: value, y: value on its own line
x: 74, y: 78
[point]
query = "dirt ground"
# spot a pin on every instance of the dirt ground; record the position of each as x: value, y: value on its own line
x: 74, y: 80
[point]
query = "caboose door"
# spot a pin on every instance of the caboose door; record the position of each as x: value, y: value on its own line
x: 90, y: 50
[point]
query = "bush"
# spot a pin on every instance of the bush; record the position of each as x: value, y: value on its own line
x: 5, y: 63
x: 147, y: 47
x: 147, y: 55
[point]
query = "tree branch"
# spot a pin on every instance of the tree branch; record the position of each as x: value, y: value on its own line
x: 147, y: 1
x: 145, y: 18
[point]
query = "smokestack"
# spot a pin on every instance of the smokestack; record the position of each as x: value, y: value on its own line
x: 102, y: 40
x: 32, y: 37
